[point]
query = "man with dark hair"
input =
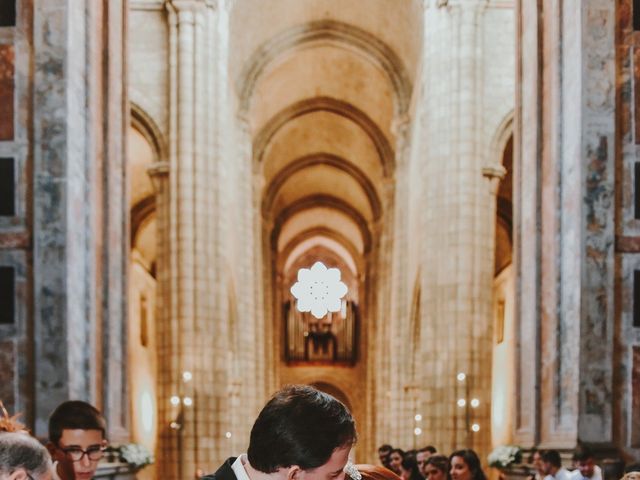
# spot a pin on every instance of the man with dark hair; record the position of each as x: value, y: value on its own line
x: 552, y: 466
x: 22, y: 457
x: 301, y: 433
x: 586, y: 467
x: 77, y: 433
x: 422, y: 456
x: 383, y: 454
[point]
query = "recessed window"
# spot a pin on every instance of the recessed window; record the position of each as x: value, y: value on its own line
x: 7, y: 187
x: 7, y: 13
x: 7, y: 295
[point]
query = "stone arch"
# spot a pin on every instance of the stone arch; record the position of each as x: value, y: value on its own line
x: 334, y: 391
x: 326, y: 31
x: 324, y: 232
x: 327, y: 104
x: 144, y: 123
x: 321, y: 200
x: 322, y: 159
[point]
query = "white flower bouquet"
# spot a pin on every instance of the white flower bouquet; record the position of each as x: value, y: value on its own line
x: 136, y: 455
x: 504, y: 456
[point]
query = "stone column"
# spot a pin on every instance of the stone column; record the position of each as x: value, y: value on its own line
x: 458, y: 220
x: 565, y: 130
x: 197, y: 254
x: 79, y: 208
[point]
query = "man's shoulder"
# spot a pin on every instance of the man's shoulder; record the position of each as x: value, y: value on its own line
x: 224, y: 472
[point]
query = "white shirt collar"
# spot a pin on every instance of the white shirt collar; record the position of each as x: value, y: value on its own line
x: 238, y: 467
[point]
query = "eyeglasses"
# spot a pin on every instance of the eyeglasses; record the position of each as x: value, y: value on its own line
x: 94, y: 452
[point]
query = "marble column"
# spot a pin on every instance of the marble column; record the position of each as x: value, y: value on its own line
x: 79, y: 208
x: 564, y: 223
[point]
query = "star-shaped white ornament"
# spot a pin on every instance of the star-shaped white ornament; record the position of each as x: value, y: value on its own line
x: 319, y: 290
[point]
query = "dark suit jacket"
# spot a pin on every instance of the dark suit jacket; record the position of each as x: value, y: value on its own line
x: 225, y: 472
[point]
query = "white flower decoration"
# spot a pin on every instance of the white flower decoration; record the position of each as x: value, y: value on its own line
x: 319, y: 290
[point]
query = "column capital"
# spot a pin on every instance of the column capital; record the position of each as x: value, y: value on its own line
x: 158, y: 172
x: 494, y: 172
x: 427, y: 4
x: 222, y: 5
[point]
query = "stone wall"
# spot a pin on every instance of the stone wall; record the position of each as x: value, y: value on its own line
x: 67, y: 239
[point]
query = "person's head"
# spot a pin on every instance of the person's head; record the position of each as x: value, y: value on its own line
x: 535, y: 459
x: 374, y: 472
x: 77, y: 434
x: 383, y: 454
x: 551, y: 462
x: 634, y: 475
x: 395, y: 460
x: 422, y: 456
x: 437, y: 467
x: 409, y: 468
x: 304, y: 430
x: 22, y: 457
x: 465, y: 465
x: 583, y: 457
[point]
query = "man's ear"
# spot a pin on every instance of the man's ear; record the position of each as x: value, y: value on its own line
x: 295, y: 473
x: 19, y: 474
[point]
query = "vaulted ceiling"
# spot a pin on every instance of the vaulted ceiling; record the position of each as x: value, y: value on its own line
x: 321, y: 84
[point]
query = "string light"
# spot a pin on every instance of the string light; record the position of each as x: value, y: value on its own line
x: 475, y: 402
x: 462, y: 402
x: 418, y: 417
x: 228, y: 434
x: 461, y: 376
x: 475, y: 427
x: 175, y: 400
x: 186, y: 376
x: 187, y: 401
x: 417, y: 431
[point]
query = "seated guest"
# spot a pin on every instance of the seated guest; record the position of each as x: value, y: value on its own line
x: 585, y: 465
x: 395, y: 460
x: 465, y: 465
x: 552, y: 466
x: 409, y: 469
x: 77, y: 433
x: 535, y: 459
x: 422, y: 456
x: 437, y: 467
x: 22, y: 457
x: 383, y: 454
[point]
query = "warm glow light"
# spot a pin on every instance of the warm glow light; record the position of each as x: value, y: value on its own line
x: 228, y: 434
x: 418, y: 417
x: 146, y: 412
x: 475, y: 402
x: 187, y: 401
x: 175, y: 400
x: 417, y: 431
x: 175, y: 425
x: 186, y: 376
x: 462, y: 402
x: 461, y: 376
x: 475, y: 427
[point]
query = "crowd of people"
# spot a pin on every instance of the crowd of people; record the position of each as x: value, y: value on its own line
x: 300, y: 434
x: 428, y: 464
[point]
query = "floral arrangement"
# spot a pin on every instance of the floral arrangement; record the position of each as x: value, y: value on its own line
x: 134, y: 454
x: 504, y: 456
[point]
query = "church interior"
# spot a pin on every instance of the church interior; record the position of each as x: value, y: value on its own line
x: 471, y: 168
